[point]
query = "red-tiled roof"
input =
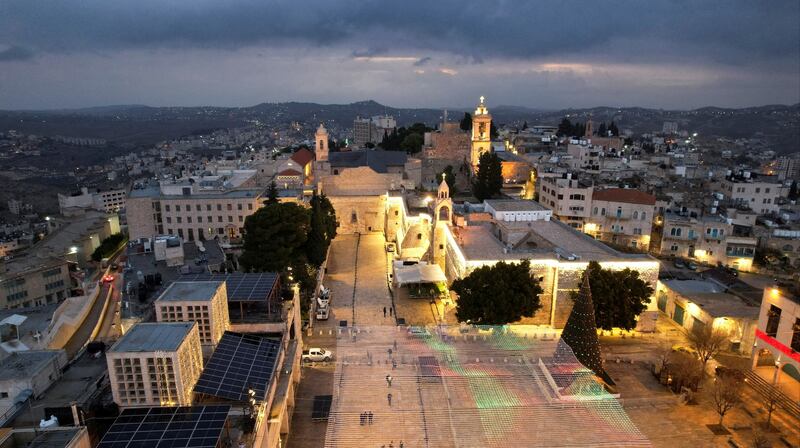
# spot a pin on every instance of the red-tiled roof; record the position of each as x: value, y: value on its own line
x: 626, y: 195
x: 303, y: 156
x: 290, y: 172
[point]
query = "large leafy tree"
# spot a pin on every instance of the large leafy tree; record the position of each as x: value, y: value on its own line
x: 322, y: 229
x: 498, y: 294
x: 275, y: 237
x: 619, y: 296
x: 489, y: 179
x: 580, y: 331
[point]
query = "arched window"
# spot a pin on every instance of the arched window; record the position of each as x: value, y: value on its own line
x: 635, y: 214
x: 644, y: 216
x: 594, y: 211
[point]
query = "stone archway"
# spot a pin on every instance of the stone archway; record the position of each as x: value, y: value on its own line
x: 443, y: 213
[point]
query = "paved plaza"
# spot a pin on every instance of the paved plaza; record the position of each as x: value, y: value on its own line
x: 485, y: 388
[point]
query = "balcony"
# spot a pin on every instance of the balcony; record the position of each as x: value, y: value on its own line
x: 667, y: 236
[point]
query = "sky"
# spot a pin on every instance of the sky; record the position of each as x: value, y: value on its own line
x: 672, y: 54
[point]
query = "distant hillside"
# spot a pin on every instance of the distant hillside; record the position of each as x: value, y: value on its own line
x: 778, y: 124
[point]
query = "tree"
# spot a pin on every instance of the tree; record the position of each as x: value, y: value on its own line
x: 322, y: 229
x: 272, y: 193
x: 466, y: 122
x: 493, y: 134
x: 707, y: 342
x: 619, y: 296
x: 489, y: 179
x: 449, y: 177
x: 498, y: 294
x: 564, y: 128
x: 614, y: 129
x: 525, y: 125
x: 275, y: 237
x: 770, y: 398
x: 601, y: 131
x: 412, y: 143
x: 725, y: 394
x: 580, y: 332
x: 793, y: 193
x: 686, y: 371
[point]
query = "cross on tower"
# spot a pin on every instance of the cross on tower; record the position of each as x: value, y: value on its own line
x: 482, y: 98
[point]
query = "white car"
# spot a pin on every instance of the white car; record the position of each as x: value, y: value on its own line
x: 322, y: 313
x: 323, y: 301
x: 390, y: 247
x: 317, y: 355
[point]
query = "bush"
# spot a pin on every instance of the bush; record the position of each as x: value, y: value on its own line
x: 108, y: 246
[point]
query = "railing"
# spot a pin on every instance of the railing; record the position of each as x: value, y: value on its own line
x: 765, y: 389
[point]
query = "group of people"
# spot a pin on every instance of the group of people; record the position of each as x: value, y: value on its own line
x: 391, y: 444
x: 366, y: 418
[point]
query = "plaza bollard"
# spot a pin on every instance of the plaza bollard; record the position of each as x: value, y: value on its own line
x: 491, y: 360
x: 505, y: 360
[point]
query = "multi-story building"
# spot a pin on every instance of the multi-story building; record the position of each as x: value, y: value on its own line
x: 110, y: 201
x: 569, y: 198
x: 761, y: 194
x: 362, y: 131
x: 30, y: 281
x: 585, y: 156
x: 191, y: 210
x: 372, y: 130
x: 776, y: 355
x: 155, y: 364
x: 709, y: 239
x: 204, y: 302
x: 787, y: 168
x: 621, y: 216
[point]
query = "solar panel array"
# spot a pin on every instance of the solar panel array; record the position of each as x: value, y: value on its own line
x: 195, y: 426
x: 242, y: 287
x: 239, y: 363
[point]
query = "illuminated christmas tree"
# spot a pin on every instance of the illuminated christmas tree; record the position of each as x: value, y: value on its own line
x: 580, y: 333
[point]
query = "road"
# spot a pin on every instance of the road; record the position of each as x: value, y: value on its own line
x: 84, y: 332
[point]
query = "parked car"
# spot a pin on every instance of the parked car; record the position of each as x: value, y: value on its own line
x: 691, y: 265
x: 323, y: 302
x: 731, y: 271
x: 316, y: 354
x: 322, y: 313
x: 678, y: 263
x: 684, y: 349
x: 421, y: 332
x: 390, y: 247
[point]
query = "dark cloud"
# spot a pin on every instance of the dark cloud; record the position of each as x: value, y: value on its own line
x: 729, y: 31
x: 422, y: 61
x: 16, y: 53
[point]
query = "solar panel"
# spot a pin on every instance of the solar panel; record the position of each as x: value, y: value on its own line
x: 195, y: 426
x: 242, y: 287
x: 240, y: 362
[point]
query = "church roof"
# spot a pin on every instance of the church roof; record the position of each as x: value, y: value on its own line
x: 289, y: 172
x: 302, y: 156
x: 378, y: 160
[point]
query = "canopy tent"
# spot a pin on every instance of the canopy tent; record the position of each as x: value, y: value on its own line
x: 419, y: 273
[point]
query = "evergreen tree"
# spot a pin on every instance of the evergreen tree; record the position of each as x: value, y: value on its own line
x: 525, y: 125
x: 601, y: 131
x: 493, y: 134
x: 489, y: 179
x: 613, y: 128
x: 498, y: 294
x: 565, y: 128
x: 275, y: 237
x: 272, y: 194
x: 322, y: 230
x: 580, y: 332
x: 466, y: 122
x: 793, y: 193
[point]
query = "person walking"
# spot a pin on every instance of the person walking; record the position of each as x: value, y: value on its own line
x: 369, y: 418
x: 401, y: 444
x: 389, y: 380
x: 390, y: 311
x: 384, y: 311
x: 361, y: 419
x: 389, y: 399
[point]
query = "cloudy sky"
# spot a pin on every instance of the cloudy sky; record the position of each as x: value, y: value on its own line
x: 545, y: 54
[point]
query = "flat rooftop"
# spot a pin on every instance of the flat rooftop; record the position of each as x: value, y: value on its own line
x: 190, y: 291
x: 152, y: 337
x: 512, y: 205
x: 536, y: 240
x: 154, y: 191
x: 712, y: 298
x: 25, y: 364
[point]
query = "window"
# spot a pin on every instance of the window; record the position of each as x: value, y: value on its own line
x: 603, y: 211
x: 197, y: 207
x: 241, y: 219
x: 166, y: 207
x: 619, y: 212
x: 209, y: 219
x: 766, y: 190
x: 199, y: 219
x: 177, y: 207
x: 594, y: 211
x: 758, y: 189
x: 189, y: 219
x: 219, y: 218
x: 675, y: 231
x: 673, y: 248
x: 249, y: 206
x: 208, y: 207
x: 219, y: 207
x: 230, y: 218
x: 644, y: 216
x: 179, y: 219
x: 635, y: 214
x: 773, y: 320
x: 230, y: 207
x: 560, y: 197
x: 238, y: 206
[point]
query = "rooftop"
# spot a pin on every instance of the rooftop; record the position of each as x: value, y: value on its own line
x: 378, y: 160
x: 626, y: 195
x: 513, y: 205
x: 152, y: 337
x: 26, y: 364
x: 190, y: 291
x: 712, y: 298
x: 154, y: 192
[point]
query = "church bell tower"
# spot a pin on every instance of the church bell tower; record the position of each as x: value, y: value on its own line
x: 481, y: 134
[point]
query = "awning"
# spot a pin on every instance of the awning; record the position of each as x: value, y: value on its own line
x: 14, y: 319
x: 419, y: 273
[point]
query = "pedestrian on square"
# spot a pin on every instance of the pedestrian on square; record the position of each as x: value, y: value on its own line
x: 384, y: 311
x: 391, y: 444
x: 389, y: 398
x: 394, y: 344
x: 401, y: 444
x: 390, y: 311
x: 389, y: 380
x: 394, y: 363
x: 361, y: 419
x: 370, y: 417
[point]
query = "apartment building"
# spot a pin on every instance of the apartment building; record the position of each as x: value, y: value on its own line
x: 621, y: 216
x: 30, y: 281
x: 585, y: 156
x: 761, y: 194
x: 568, y: 198
x: 776, y: 355
x: 708, y: 239
x: 372, y: 130
x: 190, y: 210
x: 155, y: 364
x: 204, y: 302
x: 110, y: 201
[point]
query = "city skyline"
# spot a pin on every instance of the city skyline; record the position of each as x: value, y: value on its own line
x: 539, y: 55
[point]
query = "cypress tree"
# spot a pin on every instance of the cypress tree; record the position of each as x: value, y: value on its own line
x: 580, y: 333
